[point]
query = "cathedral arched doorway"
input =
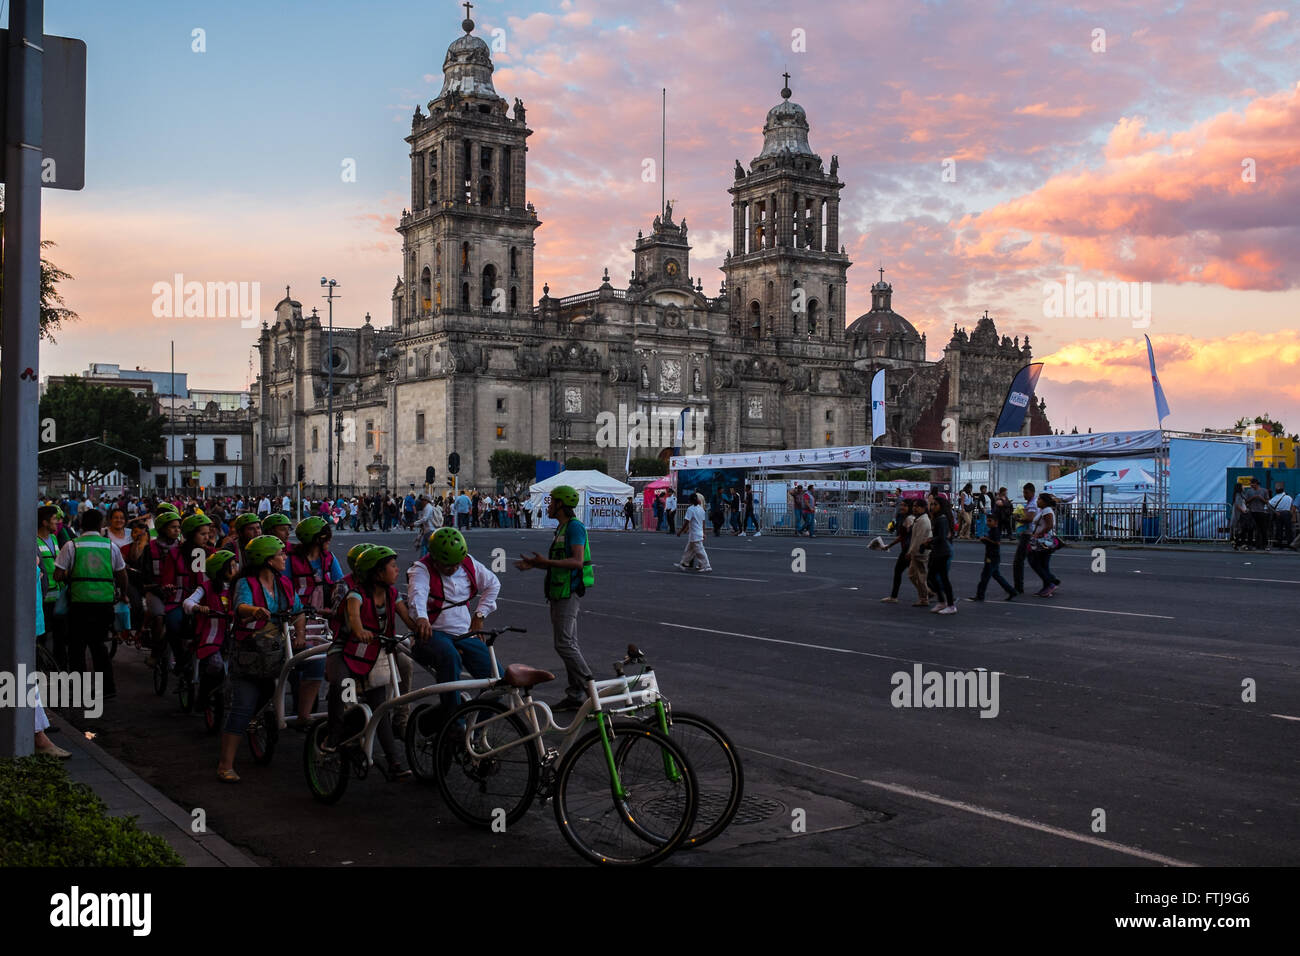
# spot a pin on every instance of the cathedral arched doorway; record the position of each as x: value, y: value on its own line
x: 755, y: 319
x: 489, y: 286
x: 426, y: 289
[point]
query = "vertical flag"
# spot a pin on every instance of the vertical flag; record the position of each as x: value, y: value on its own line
x: 878, y: 405
x: 1018, y: 398
x: 627, y: 462
x: 681, y: 431
x: 1162, y: 406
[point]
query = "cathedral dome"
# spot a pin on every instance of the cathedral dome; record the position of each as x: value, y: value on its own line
x: 881, y: 324
x: 786, y: 129
x: 467, y: 68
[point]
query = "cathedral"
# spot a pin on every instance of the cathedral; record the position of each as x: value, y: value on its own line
x: 472, y: 362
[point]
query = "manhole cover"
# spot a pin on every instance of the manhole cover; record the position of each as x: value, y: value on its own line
x: 754, y: 809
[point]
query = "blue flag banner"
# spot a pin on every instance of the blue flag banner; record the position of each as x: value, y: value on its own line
x: 1019, y: 396
x: 878, y: 405
x: 1162, y: 405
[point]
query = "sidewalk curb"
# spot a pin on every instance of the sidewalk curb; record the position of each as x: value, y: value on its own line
x: 159, y: 814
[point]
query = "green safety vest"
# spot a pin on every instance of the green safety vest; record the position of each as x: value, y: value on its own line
x: 49, y: 550
x: 91, y: 579
x: 559, y: 581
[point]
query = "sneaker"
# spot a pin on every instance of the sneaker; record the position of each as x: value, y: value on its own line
x: 889, y: 600
x: 1050, y: 591
x: 758, y: 534
x: 950, y: 609
x: 1011, y: 596
x: 975, y: 599
x: 1043, y: 593
x: 936, y: 609
x: 567, y: 704
x: 741, y: 535
x: 704, y: 571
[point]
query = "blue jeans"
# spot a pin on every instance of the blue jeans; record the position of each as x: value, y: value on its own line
x: 247, y: 697
x: 808, y: 522
x: 749, y: 517
x: 445, y: 653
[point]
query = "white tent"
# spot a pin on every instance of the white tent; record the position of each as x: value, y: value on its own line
x: 1121, y: 481
x: 600, y: 499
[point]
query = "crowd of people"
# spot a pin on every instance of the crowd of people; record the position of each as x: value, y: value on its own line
x: 218, y: 581
x: 1261, y: 522
x: 925, y: 529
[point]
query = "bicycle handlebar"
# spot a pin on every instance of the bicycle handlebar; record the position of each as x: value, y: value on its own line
x: 489, y: 637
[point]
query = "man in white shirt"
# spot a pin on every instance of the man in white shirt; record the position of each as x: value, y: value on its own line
x: 670, y: 513
x: 694, y: 523
x: 284, y: 504
x: 264, y: 507
x: 440, y: 587
x: 1281, y: 504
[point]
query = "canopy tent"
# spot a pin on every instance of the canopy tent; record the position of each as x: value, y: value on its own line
x: 1191, y: 464
x: 1117, y: 481
x: 648, y: 494
x: 600, y: 498
x: 852, y: 457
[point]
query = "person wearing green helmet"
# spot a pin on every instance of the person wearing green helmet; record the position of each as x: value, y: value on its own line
x: 316, y: 574
x: 242, y: 530
x: 278, y: 525
x: 210, y: 608
x: 440, y: 588
x: 371, y: 609
x: 262, y: 590
x: 187, y: 576
x: 161, y: 594
x: 569, y: 572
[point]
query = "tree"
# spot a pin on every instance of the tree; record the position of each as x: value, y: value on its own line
x: 586, y: 464
x: 903, y: 474
x: 517, y: 470
x: 53, y: 311
x: 113, y: 416
x: 644, y: 467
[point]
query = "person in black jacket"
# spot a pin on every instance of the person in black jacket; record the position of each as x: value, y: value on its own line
x: 940, y: 545
x: 993, y: 555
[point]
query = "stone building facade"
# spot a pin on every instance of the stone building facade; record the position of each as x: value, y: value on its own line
x: 471, y: 363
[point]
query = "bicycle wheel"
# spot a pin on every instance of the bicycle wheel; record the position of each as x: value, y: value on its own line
x: 652, y: 817
x: 719, y: 778
x: 212, y: 694
x: 478, y: 789
x: 327, y: 774
x: 421, y: 741
x: 185, y: 689
x: 161, y: 668
x: 263, y: 735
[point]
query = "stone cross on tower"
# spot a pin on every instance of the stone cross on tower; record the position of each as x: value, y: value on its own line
x: 882, y: 273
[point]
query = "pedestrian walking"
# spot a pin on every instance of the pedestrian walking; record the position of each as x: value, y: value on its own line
x: 917, y: 554
x: 670, y: 512
x: 992, y: 556
x: 942, y: 531
x: 749, y: 514
x: 1043, y: 542
x: 1025, y: 514
x: 902, y: 537
x: 1257, y: 506
x: 628, y: 514
x: 694, y: 523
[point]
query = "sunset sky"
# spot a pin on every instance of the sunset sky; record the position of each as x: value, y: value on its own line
x: 1130, y: 164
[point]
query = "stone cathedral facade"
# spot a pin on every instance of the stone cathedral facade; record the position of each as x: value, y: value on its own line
x: 472, y: 361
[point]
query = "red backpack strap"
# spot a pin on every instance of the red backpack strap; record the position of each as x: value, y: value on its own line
x: 468, y: 565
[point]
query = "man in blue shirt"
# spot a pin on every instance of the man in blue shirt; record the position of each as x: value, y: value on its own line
x: 462, y: 511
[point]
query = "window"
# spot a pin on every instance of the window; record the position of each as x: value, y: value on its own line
x: 464, y: 257
x: 419, y: 426
x: 488, y: 288
x: 426, y: 289
x: 190, y: 449
x: 501, y: 433
x: 514, y: 298
x: 514, y: 261
x: 830, y: 415
x: 485, y: 157
x: 370, y: 433
x: 464, y: 295
x: 501, y: 404
x: 219, y: 479
x: 830, y: 439
x: 315, y: 439
x: 160, y: 481
x: 218, y: 449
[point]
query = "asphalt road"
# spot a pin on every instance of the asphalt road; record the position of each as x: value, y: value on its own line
x: 1119, y: 705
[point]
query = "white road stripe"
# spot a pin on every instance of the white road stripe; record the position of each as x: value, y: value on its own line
x: 990, y: 814
x: 1222, y: 577
x: 1285, y: 716
x: 717, y: 577
x: 774, y: 640
x: 1089, y: 610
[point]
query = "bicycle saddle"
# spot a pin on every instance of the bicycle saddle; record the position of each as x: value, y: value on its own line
x: 523, y: 676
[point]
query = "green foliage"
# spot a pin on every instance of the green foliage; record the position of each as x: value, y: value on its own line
x: 53, y: 311
x: 903, y: 474
x: 855, y: 476
x: 517, y: 470
x: 586, y: 464
x: 47, y: 820
x: 82, y: 410
x: 643, y: 467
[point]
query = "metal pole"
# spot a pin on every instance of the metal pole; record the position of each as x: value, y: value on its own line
x: 329, y: 414
x: 171, y: 449
x: 20, y: 357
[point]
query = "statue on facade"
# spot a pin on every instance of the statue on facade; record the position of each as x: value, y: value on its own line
x: 519, y: 109
x: 740, y: 170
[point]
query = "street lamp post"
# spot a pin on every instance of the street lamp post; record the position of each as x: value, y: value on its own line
x: 331, y: 285
x: 565, y: 426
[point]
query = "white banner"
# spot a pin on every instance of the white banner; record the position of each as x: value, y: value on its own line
x: 1102, y: 445
x: 852, y: 454
x: 604, y: 511
x: 878, y: 405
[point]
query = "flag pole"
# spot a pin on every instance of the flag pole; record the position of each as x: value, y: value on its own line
x: 663, y: 147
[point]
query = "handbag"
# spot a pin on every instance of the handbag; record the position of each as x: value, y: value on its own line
x: 260, y: 655
x: 122, y: 616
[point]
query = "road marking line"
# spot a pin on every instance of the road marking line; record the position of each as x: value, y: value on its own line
x: 990, y: 814
x: 774, y: 640
x: 1224, y: 577
x: 1285, y: 716
x: 717, y: 577
x: 1092, y: 610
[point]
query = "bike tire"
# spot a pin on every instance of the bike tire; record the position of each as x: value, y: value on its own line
x: 719, y: 776
x: 421, y: 740
x: 185, y: 694
x: 263, y: 736
x: 327, y: 774
x: 476, y: 789
x: 650, y: 822
x: 214, y: 711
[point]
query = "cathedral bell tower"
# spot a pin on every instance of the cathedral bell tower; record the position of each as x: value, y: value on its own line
x: 786, y: 275
x: 467, y: 240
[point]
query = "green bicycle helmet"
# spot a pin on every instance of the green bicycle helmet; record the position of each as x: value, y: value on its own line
x: 565, y: 495
x: 163, y: 518
x: 262, y: 549
x: 372, y: 558
x: 271, y: 522
x: 355, y: 552
x: 447, y: 546
x: 194, y: 523
x: 217, y: 562
x: 244, y: 520
x: 309, y: 529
